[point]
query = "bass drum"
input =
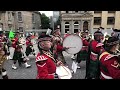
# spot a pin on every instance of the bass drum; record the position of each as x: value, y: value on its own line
x: 63, y: 72
x: 74, y: 42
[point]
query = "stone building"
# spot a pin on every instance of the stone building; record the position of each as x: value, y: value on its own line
x: 20, y: 20
x: 73, y: 21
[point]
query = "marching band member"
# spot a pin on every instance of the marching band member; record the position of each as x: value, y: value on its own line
x: 6, y: 48
x: 110, y: 60
x: 3, y: 58
x: 57, y: 46
x: 18, y: 54
x: 29, y: 47
x: 45, y: 62
x: 94, y: 49
x: 73, y: 56
x: 83, y: 53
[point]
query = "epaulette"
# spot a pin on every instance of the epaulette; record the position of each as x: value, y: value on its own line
x: 41, y: 58
x: 104, y: 53
x: 99, y: 44
x: 109, y: 57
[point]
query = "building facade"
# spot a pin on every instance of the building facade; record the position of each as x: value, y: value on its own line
x: 73, y: 21
x: 7, y: 20
x: 19, y: 20
x: 55, y: 15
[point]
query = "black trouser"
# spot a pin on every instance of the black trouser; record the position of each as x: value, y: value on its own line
x: 78, y: 58
x: 18, y: 56
x: 29, y: 50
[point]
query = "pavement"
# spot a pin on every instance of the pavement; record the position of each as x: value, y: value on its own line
x: 30, y: 73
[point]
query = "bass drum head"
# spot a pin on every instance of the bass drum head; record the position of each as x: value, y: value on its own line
x: 74, y: 42
x: 63, y: 72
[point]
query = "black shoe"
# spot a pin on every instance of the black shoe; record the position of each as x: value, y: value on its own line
x: 5, y: 77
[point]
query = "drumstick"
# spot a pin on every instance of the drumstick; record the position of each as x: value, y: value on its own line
x: 63, y: 67
x: 71, y: 47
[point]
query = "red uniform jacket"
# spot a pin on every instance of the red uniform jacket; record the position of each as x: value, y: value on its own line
x: 28, y: 42
x: 85, y: 44
x: 96, y: 49
x: 110, y: 62
x: 60, y: 48
x: 14, y: 43
x: 45, y: 66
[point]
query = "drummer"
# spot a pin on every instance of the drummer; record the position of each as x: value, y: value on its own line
x: 110, y: 60
x: 82, y: 55
x: 58, y: 46
x: 45, y: 62
x: 29, y: 47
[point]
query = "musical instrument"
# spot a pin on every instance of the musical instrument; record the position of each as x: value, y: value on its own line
x: 74, y: 43
x: 33, y: 41
x: 22, y: 40
x: 63, y: 72
x: 48, y: 31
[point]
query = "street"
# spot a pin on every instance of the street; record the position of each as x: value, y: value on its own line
x: 30, y: 73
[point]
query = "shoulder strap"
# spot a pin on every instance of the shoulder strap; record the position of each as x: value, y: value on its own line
x: 102, y: 66
x: 104, y: 53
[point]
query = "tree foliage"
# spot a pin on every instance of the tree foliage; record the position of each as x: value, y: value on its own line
x: 45, y: 21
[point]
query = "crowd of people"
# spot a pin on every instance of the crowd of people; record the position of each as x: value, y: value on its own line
x: 101, y: 55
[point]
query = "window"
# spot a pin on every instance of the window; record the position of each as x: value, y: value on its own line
x: 95, y: 28
x: 33, y: 18
x: 19, y: 16
x: 9, y: 16
x: 76, y: 23
x: 75, y: 30
x: 111, y: 11
x: 9, y: 26
x: 66, y: 30
x: 76, y: 11
x: 66, y: 23
x: 85, y: 11
x: 66, y: 26
x: 66, y: 11
x: 20, y: 29
x: 97, y: 11
x: 97, y: 20
x: 110, y: 20
x: 13, y: 13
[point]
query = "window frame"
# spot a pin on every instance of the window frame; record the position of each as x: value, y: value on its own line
x: 108, y: 22
x: 97, y: 21
x: 20, y: 19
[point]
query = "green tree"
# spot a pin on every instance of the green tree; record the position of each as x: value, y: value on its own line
x: 45, y: 21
